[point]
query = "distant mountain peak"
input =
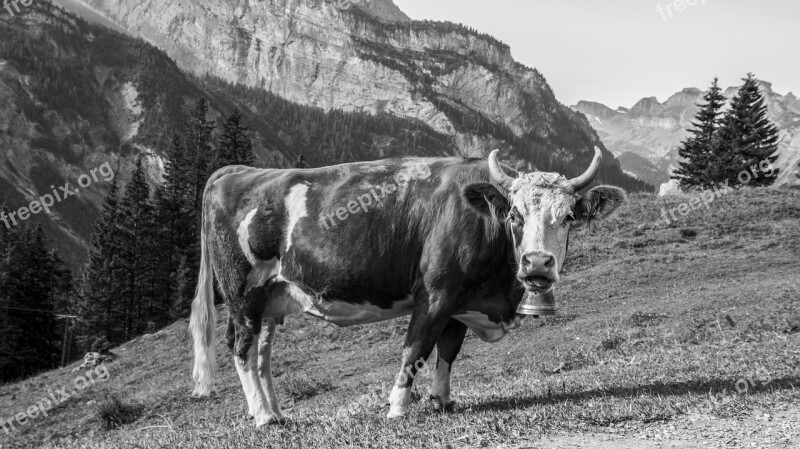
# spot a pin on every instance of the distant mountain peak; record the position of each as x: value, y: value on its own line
x: 384, y: 10
x: 647, y: 105
x: 685, y: 98
x: 591, y: 108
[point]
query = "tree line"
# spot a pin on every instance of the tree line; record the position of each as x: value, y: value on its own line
x: 143, y: 261
x: 145, y: 251
x: 722, y: 145
x: 34, y: 284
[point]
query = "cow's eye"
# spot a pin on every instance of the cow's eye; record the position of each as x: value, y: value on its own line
x: 513, y: 218
x: 567, y: 220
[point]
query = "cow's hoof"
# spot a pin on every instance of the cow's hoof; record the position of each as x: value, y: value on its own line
x: 396, y: 413
x: 266, y: 420
x: 442, y: 404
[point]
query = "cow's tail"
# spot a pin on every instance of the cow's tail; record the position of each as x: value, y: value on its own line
x: 203, y: 324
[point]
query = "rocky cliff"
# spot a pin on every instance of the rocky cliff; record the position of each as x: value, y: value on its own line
x: 366, y: 57
x: 646, y: 137
x: 312, y: 77
x: 74, y: 96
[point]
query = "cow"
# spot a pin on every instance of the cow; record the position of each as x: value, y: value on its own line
x: 454, y: 242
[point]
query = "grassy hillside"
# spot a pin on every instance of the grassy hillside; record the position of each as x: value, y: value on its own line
x: 658, y: 324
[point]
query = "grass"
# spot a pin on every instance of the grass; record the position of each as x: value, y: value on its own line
x: 658, y: 326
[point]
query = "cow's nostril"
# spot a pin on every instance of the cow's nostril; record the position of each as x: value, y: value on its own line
x: 550, y: 262
x: 526, y: 261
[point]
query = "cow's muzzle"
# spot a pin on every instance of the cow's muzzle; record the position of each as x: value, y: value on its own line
x: 537, y: 271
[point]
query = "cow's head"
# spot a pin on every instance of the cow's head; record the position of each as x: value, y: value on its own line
x: 538, y: 209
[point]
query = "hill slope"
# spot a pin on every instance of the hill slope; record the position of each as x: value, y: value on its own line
x: 658, y: 326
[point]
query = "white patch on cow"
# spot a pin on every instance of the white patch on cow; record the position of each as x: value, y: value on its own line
x: 440, y: 387
x: 480, y: 323
x: 265, y: 340
x: 295, y: 210
x: 251, y: 384
x: 289, y: 299
x: 399, y: 401
x: 348, y: 314
x: 513, y: 324
x: 244, y: 236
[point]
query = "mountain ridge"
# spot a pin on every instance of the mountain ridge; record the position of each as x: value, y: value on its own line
x: 653, y: 131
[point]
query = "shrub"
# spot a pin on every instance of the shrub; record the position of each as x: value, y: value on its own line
x: 113, y: 412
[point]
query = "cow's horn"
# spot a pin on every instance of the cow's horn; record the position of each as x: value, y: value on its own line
x: 498, y: 175
x: 585, y: 179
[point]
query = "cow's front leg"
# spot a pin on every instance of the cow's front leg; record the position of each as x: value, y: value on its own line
x: 449, y: 345
x: 423, y: 332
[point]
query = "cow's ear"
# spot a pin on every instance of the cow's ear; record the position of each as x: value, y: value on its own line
x: 599, y: 203
x: 486, y: 199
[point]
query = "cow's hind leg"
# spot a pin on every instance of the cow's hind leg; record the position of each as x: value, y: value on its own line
x: 247, y: 331
x: 423, y: 333
x: 265, y: 370
x: 448, y: 346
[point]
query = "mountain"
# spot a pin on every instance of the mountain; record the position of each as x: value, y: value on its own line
x: 370, y: 57
x: 645, y: 138
x: 88, y: 83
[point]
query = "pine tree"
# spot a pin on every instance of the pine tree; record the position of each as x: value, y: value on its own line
x: 102, y: 281
x: 174, y: 218
x: 167, y: 217
x: 182, y: 291
x: 198, y: 145
x: 235, y: 145
x: 698, y: 149
x: 747, y: 137
x: 10, y: 330
x: 301, y: 162
x: 134, y: 228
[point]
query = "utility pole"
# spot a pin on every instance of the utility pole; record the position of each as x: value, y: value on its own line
x: 66, y: 343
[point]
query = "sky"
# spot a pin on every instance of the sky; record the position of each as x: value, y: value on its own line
x: 618, y: 51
